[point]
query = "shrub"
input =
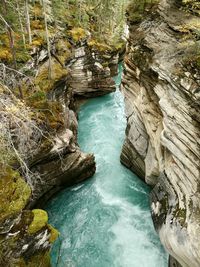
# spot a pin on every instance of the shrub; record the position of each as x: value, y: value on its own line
x: 5, y: 55
x: 77, y: 34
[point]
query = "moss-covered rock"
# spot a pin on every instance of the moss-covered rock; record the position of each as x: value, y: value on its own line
x: 14, y: 193
x: 54, y: 234
x: 40, y: 219
x: 58, y: 74
x: 137, y: 10
x: 28, y: 240
x: 99, y: 46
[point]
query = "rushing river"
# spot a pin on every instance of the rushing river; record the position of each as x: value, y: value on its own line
x: 105, y: 221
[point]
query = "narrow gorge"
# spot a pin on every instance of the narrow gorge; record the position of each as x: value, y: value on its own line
x: 102, y: 220
x: 81, y: 83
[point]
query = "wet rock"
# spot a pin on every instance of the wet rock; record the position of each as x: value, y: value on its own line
x: 173, y: 262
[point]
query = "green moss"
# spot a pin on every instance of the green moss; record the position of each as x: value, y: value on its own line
x: 77, y: 34
x: 107, y: 45
x: 4, y: 40
x: 164, y: 204
x: 99, y: 45
x: 37, y: 42
x: 180, y: 215
x: 38, y: 96
x: 138, y: 9
x: 191, y: 58
x: 11, y: 245
x: 46, y: 111
x: 22, y: 55
x: 58, y: 73
x: 7, y: 157
x: 62, y: 45
x: 198, y: 62
x: 7, y: 245
x: 54, y: 234
x: 37, y: 25
x: 191, y: 6
x: 141, y: 58
x: 14, y: 193
x: 136, y: 17
x: 105, y: 64
x: 119, y: 45
x: 5, y: 55
x: 40, y: 220
x: 63, y: 50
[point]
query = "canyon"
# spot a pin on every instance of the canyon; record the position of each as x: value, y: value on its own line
x: 160, y: 84
x: 106, y: 220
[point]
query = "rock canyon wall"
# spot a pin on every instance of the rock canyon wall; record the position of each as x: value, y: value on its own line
x: 161, y: 84
x: 48, y: 155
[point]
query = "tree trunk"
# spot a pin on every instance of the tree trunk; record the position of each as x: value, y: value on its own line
x: 21, y: 25
x: 28, y: 25
x: 47, y: 38
x: 10, y: 36
x: 11, y: 41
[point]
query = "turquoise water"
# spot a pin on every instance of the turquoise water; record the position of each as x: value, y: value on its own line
x: 105, y: 221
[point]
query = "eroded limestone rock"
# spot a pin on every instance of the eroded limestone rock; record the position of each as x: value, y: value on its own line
x: 161, y: 87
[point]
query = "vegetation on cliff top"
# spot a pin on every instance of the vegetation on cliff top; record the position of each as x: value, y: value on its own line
x: 138, y: 11
x: 28, y: 27
x: 37, y: 23
x: 55, y: 27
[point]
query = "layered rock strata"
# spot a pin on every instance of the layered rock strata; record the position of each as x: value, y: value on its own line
x: 92, y: 71
x: 61, y: 162
x: 161, y: 84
